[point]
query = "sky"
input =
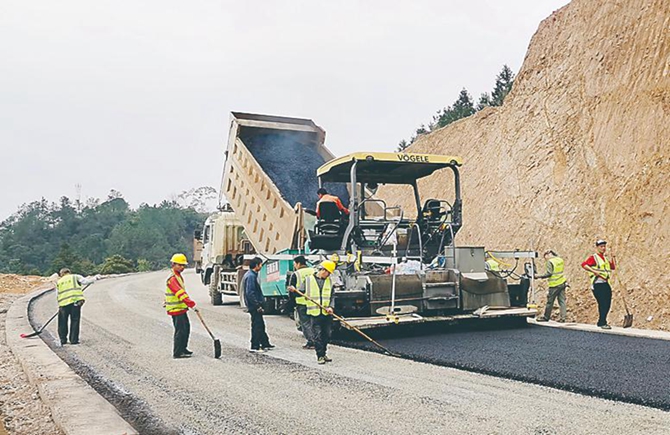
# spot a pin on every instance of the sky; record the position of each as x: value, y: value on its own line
x: 136, y: 95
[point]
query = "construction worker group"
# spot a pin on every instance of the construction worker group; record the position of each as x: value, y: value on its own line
x: 313, y: 291
x: 599, y: 268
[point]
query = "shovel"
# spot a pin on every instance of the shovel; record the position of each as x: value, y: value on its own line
x: 628, y: 317
x: 217, y: 343
x: 39, y: 331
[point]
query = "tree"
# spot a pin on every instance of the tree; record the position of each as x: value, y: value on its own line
x: 503, y: 86
x: 203, y: 199
x: 116, y: 264
x: 484, y: 101
x: 462, y: 108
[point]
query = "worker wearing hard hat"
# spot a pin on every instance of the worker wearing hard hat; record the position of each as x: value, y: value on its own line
x: 70, y: 300
x: 301, y: 272
x: 491, y: 264
x: 318, y: 288
x: 600, y: 268
x: 557, y: 285
x: 177, y: 303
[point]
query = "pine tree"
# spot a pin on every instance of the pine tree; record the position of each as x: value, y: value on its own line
x: 504, y: 82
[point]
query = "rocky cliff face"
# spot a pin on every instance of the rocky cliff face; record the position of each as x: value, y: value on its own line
x: 580, y: 150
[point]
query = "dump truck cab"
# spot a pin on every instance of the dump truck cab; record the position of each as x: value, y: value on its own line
x: 373, y: 227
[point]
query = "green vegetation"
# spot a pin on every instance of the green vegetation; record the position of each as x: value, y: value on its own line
x: 464, y: 106
x: 99, y: 237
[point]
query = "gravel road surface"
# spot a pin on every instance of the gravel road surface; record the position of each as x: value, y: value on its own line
x: 126, y: 354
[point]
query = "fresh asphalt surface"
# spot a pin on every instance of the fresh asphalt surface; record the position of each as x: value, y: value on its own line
x: 615, y: 367
x: 125, y: 353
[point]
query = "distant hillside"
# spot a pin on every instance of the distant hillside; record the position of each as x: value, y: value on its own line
x: 579, y: 150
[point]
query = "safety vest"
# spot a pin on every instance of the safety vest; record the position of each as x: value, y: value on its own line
x: 69, y: 290
x: 493, y: 265
x: 322, y: 296
x: 557, y: 278
x: 300, y: 276
x: 172, y: 302
x: 602, y: 266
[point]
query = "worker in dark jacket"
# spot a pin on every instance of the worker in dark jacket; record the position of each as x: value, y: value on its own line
x: 253, y: 298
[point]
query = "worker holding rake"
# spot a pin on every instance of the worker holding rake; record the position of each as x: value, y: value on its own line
x: 318, y: 289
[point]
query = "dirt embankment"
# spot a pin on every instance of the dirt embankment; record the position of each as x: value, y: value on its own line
x: 580, y: 150
x: 21, y: 409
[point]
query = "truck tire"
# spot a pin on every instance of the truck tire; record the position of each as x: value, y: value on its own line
x: 214, y: 293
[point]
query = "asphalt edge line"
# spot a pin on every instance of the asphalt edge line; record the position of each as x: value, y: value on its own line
x: 616, y: 330
x: 76, y: 408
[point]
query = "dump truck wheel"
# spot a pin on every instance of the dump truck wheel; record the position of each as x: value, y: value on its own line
x: 214, y: 293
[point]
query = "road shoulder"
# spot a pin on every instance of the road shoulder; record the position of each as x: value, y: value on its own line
x: 75, y: 406
x: 616, y: 330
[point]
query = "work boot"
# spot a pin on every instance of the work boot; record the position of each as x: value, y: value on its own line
x: 541, y: 319
x: 253, y: 350
x: 268, y: 346
x: 188, y: 352
x: 321, y: 360
x: 606, y: 327
x: 308, y: 346
x: 327, y: 358
x: 181, y: 355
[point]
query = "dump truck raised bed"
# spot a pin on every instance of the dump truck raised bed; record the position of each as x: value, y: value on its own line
x: 269, y: 176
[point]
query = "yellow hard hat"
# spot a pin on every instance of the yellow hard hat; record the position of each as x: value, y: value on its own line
x: 179, y: 259
x: 329, y: 266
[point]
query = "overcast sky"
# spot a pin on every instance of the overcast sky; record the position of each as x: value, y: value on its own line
x: 136, y: 95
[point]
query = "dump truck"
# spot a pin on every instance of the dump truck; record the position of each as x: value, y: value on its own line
x: 268, y: 177
x: 219, y: 251
x: 395, y: 266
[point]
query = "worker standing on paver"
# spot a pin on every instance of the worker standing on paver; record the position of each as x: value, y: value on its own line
x: 491, y: 264
x: 301, y: 272
x: 177, y: 303
x: 70, y: 300
x: 253, y: 298
x: 557, y: 285
x: 324, y: 196
x: 600, y: 270
x: 318, y: 287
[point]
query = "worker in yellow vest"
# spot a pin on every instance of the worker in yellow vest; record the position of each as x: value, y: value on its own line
x: 491, y: 264
x: 600, y: 268
x: 70, y: 301
x: 177, y: 303
x: 318, y: 287
x: 302, y: 271
x: 557, y: 284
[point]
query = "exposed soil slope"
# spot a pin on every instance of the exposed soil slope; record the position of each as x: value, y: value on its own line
x: 580, y: 150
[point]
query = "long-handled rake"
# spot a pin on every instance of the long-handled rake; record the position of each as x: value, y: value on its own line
x: 628, y: 317
x: 39, y: 331
x: 349, y: 325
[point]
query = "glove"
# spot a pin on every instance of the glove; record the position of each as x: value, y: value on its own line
x: 189, y: 303
x: 260, y: 310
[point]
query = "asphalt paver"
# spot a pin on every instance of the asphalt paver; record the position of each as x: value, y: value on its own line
x: 603, y: 365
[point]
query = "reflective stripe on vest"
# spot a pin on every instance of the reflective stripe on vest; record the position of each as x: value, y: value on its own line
x: 69, y: 290
x: 172, y: 302
x: 493, y: 265
x: 557, y: 278
x: 322, y: 295
x: 300, y: 276
x: 602, y: 266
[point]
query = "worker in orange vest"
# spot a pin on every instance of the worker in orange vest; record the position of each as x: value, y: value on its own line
x: 324, y: 196
x: 177, y: 303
